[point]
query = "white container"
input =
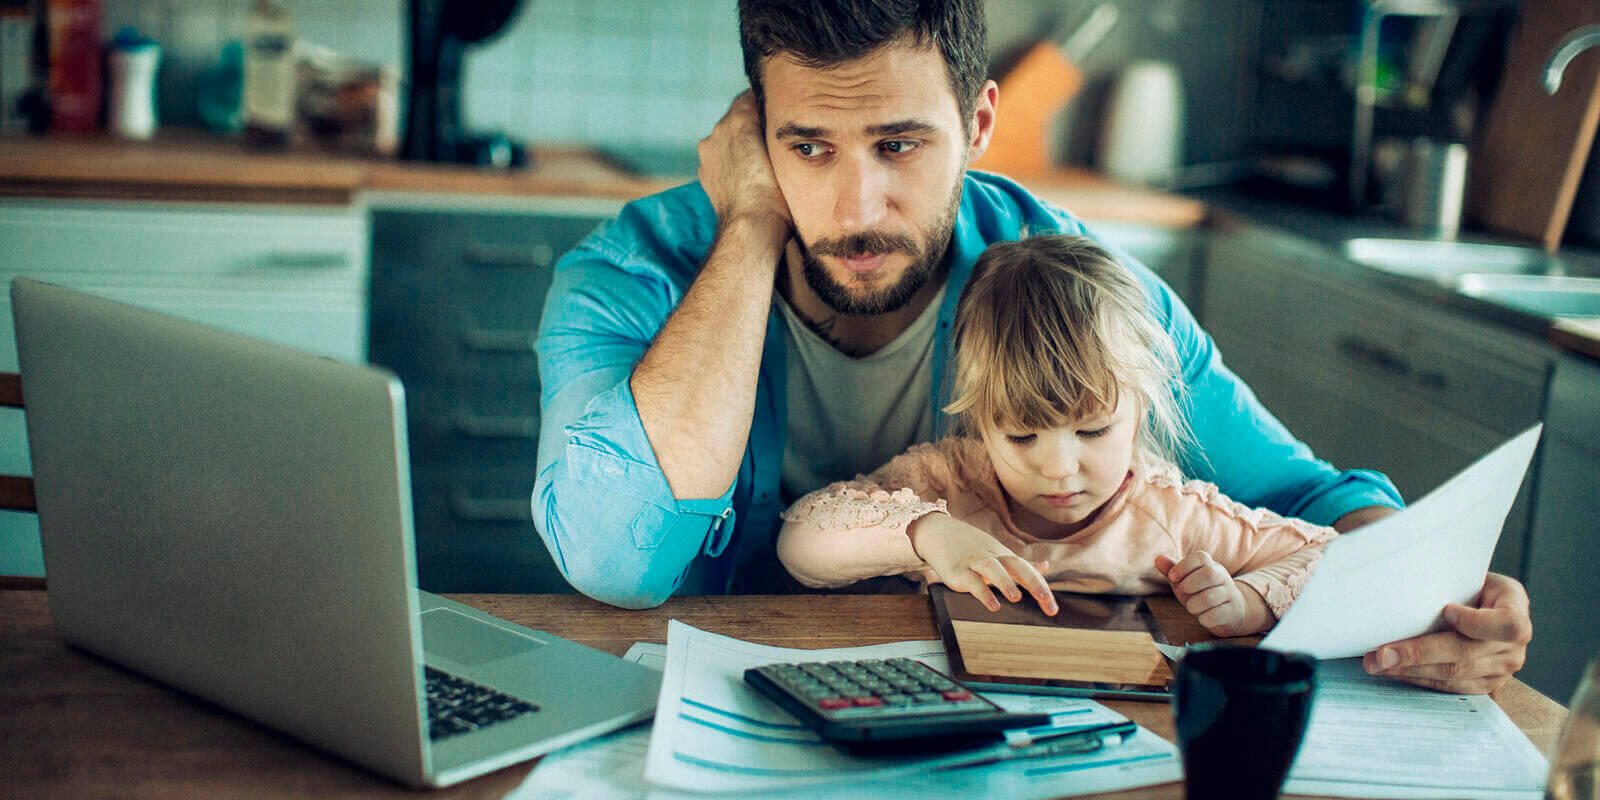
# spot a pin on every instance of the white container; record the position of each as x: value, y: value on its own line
x: 1141, y: 138
x: 132, y: 106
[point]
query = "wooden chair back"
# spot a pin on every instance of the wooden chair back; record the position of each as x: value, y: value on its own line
x: 16, y: 491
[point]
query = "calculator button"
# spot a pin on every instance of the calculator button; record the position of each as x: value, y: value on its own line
x: 928, y: 697
x: 866, y: 700
x: 897, y: 699
x: 834, y: 702
x: 957, y: 694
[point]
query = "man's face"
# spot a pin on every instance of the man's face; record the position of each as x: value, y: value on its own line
x: 869, y: 155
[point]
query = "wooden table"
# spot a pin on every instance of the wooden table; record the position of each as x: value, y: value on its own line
x: 73, y: 725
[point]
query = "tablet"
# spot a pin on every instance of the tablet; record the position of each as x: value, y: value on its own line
x: 1096, y: 646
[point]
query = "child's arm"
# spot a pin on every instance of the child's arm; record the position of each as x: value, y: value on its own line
x: 854, y: 530
x: 1247, y: 563
x: 882, y: 525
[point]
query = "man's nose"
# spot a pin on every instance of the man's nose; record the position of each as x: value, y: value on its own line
x: 860, y: 194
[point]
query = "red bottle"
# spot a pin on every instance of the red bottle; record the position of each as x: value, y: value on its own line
x: 75, y: 81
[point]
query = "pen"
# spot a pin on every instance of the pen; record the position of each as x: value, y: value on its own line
x: 1071, y: 740
x: 1053, y: 743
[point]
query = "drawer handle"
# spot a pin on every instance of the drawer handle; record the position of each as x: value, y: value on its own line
x: 1373, y: 354
x: 482, y: 426
x: 491, y: 509
x: 536, y: 256
x: 288, y: 260
x: 485, y: 340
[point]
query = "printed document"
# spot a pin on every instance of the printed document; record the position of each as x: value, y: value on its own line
x: 1376, y: 737
x: 1391, y: 580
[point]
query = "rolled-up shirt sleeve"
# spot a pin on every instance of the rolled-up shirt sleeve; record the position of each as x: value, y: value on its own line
x: 601, y: 503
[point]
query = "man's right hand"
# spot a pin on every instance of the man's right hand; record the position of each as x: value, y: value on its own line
x: 736, y: 171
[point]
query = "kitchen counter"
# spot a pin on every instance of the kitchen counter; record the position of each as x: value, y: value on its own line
x: 1328, y: 229
x: 190, y: 165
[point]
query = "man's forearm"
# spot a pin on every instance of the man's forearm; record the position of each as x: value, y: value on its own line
x: 695, y: 387
x: 1362, y: 516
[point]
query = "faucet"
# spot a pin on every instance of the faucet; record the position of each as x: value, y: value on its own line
x: 1575, y: 42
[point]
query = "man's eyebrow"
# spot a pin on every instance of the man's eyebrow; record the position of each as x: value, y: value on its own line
x: 792, y: 131
x: 902, y: 126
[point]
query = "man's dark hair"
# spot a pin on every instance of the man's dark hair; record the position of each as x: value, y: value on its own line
x: 824, y: 33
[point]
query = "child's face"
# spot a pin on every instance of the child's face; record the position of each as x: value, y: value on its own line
x: 1057, y: 477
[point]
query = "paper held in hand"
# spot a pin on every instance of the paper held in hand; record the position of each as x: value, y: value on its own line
x: 1391, y: 580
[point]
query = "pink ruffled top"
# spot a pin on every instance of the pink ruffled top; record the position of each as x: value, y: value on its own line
x: 853, y: 530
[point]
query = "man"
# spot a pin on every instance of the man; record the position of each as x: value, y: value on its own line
x: 728, y: 345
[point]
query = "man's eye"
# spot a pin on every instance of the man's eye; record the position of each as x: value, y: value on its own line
x: 1026, y: 438
x: 1096, y: 433
x: 898, y: 146
x: 808, y: 149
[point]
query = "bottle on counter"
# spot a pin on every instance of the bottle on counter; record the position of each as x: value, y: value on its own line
x: 131, y: 110
x: 269, y: 75
x: 1576, y: 766
x: 75, y: 80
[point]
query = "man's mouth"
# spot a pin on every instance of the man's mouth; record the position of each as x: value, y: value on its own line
x: 865, y: 262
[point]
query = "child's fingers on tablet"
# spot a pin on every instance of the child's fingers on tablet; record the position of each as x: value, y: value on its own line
x: 996, y: 575
x: 1027, y: 575
x: 972, y: 583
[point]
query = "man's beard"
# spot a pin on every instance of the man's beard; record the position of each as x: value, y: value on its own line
x: 926, y: 258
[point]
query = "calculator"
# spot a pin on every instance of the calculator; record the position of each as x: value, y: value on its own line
x: 896, y: 704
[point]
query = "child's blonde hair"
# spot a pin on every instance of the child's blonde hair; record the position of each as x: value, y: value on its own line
x: 1052, y: 330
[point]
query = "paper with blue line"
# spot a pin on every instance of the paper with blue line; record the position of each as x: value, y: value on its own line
x: 712, y: 733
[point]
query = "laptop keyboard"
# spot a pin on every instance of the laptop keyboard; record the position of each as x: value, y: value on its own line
x: 456, y: 705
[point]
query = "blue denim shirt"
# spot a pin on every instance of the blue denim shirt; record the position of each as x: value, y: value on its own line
x: 603, y: 506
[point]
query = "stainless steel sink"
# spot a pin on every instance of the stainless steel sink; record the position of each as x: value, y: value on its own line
x: 1444, y: 261
x: 1545, y: 295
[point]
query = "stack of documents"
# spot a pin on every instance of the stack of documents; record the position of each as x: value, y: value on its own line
x: 713, y: 734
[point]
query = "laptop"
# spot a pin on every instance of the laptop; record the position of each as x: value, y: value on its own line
x: 233, y: 518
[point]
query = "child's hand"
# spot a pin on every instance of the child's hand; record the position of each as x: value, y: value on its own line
x: 1212, y: 595
x: 968, y: 560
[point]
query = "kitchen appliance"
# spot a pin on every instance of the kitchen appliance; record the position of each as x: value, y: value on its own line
x: 440, y: 33
x: 1142, y: 137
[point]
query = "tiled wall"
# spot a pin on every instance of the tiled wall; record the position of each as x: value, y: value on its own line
x: 659, y: 73
x: 602, y: 72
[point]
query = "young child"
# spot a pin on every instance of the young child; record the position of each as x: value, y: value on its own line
x: 1060, y: 468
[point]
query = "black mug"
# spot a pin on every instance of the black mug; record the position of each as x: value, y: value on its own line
x: 1240, y: 714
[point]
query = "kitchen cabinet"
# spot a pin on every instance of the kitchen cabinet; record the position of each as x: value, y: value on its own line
x: 291, y: 274
x: 1562, y: 581
x: 1371, y: 378
x: 456, y: 297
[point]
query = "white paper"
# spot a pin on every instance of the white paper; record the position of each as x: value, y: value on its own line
x: 613, y: 766
x: 713, y: 733
x: 1391, y: 580
x: 1375, y: 737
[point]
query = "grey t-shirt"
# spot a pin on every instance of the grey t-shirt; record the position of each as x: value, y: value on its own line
x: 849, y: 416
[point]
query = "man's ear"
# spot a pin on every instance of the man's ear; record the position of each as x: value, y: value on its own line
x: 982, y: 123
